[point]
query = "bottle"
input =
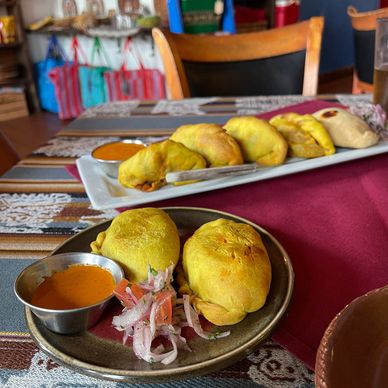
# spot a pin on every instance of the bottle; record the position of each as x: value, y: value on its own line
x: 286, y: 12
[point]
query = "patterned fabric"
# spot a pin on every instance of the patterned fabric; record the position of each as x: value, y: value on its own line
x: 269, y: 366
x: 42, y: 205
x: 67, y: 90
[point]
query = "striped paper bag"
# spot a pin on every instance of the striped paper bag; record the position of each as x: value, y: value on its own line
x: 67, y: 86
x: 141, y: 84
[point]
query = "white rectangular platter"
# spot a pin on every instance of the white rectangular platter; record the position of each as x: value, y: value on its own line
x: 107, y: 193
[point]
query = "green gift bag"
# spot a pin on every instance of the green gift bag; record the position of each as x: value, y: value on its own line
x: 93, y: 89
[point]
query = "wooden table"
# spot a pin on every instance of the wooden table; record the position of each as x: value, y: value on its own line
x: 42, y: 205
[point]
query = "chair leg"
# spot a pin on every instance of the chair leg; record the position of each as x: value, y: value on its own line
x: 355, y: 86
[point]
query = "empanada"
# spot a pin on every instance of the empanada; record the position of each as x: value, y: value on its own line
x: 347, y: 129
x: 211, y: 141
x: 146, y: 170
x: 139, y: 238
x: 259, y: 141
x: 227, y: 270
x: 306, y: 136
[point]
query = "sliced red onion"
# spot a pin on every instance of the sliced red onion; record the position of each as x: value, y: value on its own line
x: 129, y: 291
x: 193, y: 321
x: 154, y: 308
x: 142, y: 340
x: 172, y: 355
x: 139, y: 322
x: 130, y: 316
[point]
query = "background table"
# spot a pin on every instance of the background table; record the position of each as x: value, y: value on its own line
x: 42, y: 204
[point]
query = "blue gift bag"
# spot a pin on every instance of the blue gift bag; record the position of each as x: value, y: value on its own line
x: 93, y: 88
x: 54, y: 57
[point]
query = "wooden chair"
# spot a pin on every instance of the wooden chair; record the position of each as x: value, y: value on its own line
x: 364, y: 29
x: 277, y: 61
x: 8, y: 155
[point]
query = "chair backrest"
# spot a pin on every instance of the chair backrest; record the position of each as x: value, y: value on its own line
x: 364, y: 31
x: 271, y: 62
x: 8, y: 155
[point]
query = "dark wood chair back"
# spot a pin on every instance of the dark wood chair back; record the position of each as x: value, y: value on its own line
x: 364, y: 31
x: 271, y: 62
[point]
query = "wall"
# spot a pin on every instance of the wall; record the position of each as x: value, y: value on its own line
x: 38, y: 9
x: 337, y: 44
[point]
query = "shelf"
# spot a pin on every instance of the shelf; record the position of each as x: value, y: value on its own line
x: 55, y: 30
x: 92, y: 32
x: 17, y: 52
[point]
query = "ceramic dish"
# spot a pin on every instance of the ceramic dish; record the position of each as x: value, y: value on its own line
x: 106, y: 193
x: 354, y: 349
x: 92, y: 354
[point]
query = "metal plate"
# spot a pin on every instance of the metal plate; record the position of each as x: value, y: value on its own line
x: 109, y: 359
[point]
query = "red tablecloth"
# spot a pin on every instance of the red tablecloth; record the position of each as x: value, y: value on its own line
x: 333, y: 222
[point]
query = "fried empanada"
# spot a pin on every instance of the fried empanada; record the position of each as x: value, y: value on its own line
x: 226, y: 269
x: 139, y: 238
x: 306, y: 136
x: 212, y: 142
x: 259, y: 141
x: 146, y: 170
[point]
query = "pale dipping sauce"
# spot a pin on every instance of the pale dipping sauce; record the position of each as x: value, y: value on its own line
x: 77, y: 286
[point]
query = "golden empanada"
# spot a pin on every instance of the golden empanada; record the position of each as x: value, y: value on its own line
x: 306, y: 136
x: 226, y: 269
x: 259, y: 141
x: 139, y: 238
x: 211, y: 141
x: 146, y: 170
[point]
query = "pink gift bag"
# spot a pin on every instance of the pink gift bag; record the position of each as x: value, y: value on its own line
x: 67, y: 87
x: 142, y: 84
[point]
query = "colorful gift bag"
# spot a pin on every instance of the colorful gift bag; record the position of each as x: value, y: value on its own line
x: 55, y: 57
x: 142, y: 84
x: 93, y: 88
x: 67, y: 88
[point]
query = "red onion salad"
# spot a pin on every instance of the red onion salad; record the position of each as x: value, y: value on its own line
x: 152, y: 309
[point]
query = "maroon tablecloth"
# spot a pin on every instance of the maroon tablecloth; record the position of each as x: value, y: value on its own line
x: 333, y: 222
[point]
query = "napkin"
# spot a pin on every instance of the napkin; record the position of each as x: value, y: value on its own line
x: 302, y: 108
x: 331, y: 221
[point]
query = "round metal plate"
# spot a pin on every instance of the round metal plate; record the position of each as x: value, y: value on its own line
x: 108, y: 359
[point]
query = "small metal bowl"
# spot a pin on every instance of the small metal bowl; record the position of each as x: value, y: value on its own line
x: 111, y: 167
x: 64, y: 321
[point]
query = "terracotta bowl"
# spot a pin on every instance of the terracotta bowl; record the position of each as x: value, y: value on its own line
x: 354, y: 349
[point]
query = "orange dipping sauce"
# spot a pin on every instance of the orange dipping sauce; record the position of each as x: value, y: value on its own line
x: 77, y: 286
x: 117, y: 151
